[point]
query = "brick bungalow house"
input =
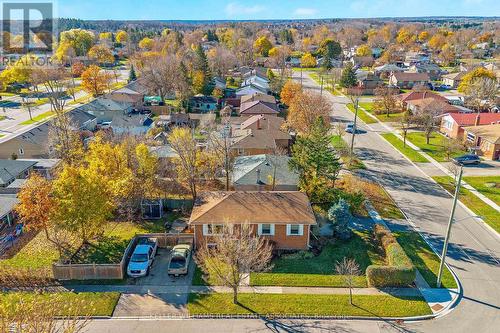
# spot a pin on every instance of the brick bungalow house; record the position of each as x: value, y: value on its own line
x: 408, y: 80
x: 486, y: 139
x: 452, y: 124
x: 285, y: 218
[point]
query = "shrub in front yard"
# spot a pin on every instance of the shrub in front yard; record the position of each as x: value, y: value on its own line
x: 399, y: 270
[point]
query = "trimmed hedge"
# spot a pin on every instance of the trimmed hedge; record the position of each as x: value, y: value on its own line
x: 399, y: 271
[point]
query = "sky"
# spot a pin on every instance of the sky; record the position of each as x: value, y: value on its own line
x: 270, y: 9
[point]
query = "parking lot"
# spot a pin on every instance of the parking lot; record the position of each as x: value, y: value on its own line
x: 158, y: 274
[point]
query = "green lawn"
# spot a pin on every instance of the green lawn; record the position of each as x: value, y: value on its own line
x: 413, y: 155
x: 319, y: 270
x: 363, y: 115
x: 38, y: 118
x: 334, y: 305
x: 392, y: 117
x: 424, y: 259
x: 434, y: 148
x: 479, y: 207
x: 89, y: 304
x: 487, y: 185
x: 39, y: 253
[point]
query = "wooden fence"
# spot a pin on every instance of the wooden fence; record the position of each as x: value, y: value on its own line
x: 116, y: 271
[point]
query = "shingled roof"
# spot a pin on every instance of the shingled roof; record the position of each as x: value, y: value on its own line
x: 252, y: 207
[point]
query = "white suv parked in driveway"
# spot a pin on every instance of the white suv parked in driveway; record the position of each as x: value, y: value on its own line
x: 142, y: 257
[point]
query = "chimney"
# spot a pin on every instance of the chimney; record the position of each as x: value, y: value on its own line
x: 258, y: 177
x: 478, y: 117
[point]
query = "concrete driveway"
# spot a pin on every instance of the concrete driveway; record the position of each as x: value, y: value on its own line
x: 156, y: 304
x: 158, y: 274
x: 135, y: 305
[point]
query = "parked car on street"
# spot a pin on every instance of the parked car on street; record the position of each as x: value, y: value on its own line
x: 142, y: 258
x: 467, y: 159
x: 350, y: 128
x: 179, y: 260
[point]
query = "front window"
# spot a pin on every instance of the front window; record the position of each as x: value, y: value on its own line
x: 266, y: 229
x: 295, y: 229
x: 212, y: 229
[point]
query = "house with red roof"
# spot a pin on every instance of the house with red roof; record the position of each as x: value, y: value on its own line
x: 452, y: 124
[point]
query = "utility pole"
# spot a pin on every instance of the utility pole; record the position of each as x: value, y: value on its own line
x: 354, y: 129
x: 448, y: 230
x: 321, y: 80
x: 301, y: 75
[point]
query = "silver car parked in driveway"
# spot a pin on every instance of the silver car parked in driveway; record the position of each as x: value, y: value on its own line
x: 179, y: 260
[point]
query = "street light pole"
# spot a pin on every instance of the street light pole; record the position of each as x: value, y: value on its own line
x: 448, y: 230
x: 354, y: 127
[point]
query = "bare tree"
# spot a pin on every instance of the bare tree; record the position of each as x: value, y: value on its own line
x: 452, y: 146
x: 237, y: 251
x: 349, y: 269
x: 405, y: 125
x: 480, y: 90
x: 182, y: 142
x: 385, y: 101
x: 54, y: 80
x: 427, y: 118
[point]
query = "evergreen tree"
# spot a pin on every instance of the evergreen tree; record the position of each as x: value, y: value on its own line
x: 131, y: 75
x: 200, y: 65
x: 316, y: 163
x: 348, y: 78
x: 340, y: 216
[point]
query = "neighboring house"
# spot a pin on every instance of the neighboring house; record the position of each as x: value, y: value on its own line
x: 105, y: 109
x: 127, y: 95
x: 264, y: 172
x: 34, y: 143
x: 417, y: 105
x: 256, y: 80
x: 385, y: 71
x: 258, y: 97
x: 10, y: 170
x: 407, y: 80
x: 132, y: 124
x: 368, y: 82
x: 486, y: 139
x: 203, y: 104
x: 415, y: 95
x: 365, y: 61
x: 163, y: 152
x: 412, y: 58
x: 258, y: 134
x: 284, y: 218
x: 45, y: 167
x: 432, y: 70
x: 258, y: 107
x: 452, y: 124
x: 219, y: 83
x: 453, y: 79
x: 251, y: 89
x: 7, y: 214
